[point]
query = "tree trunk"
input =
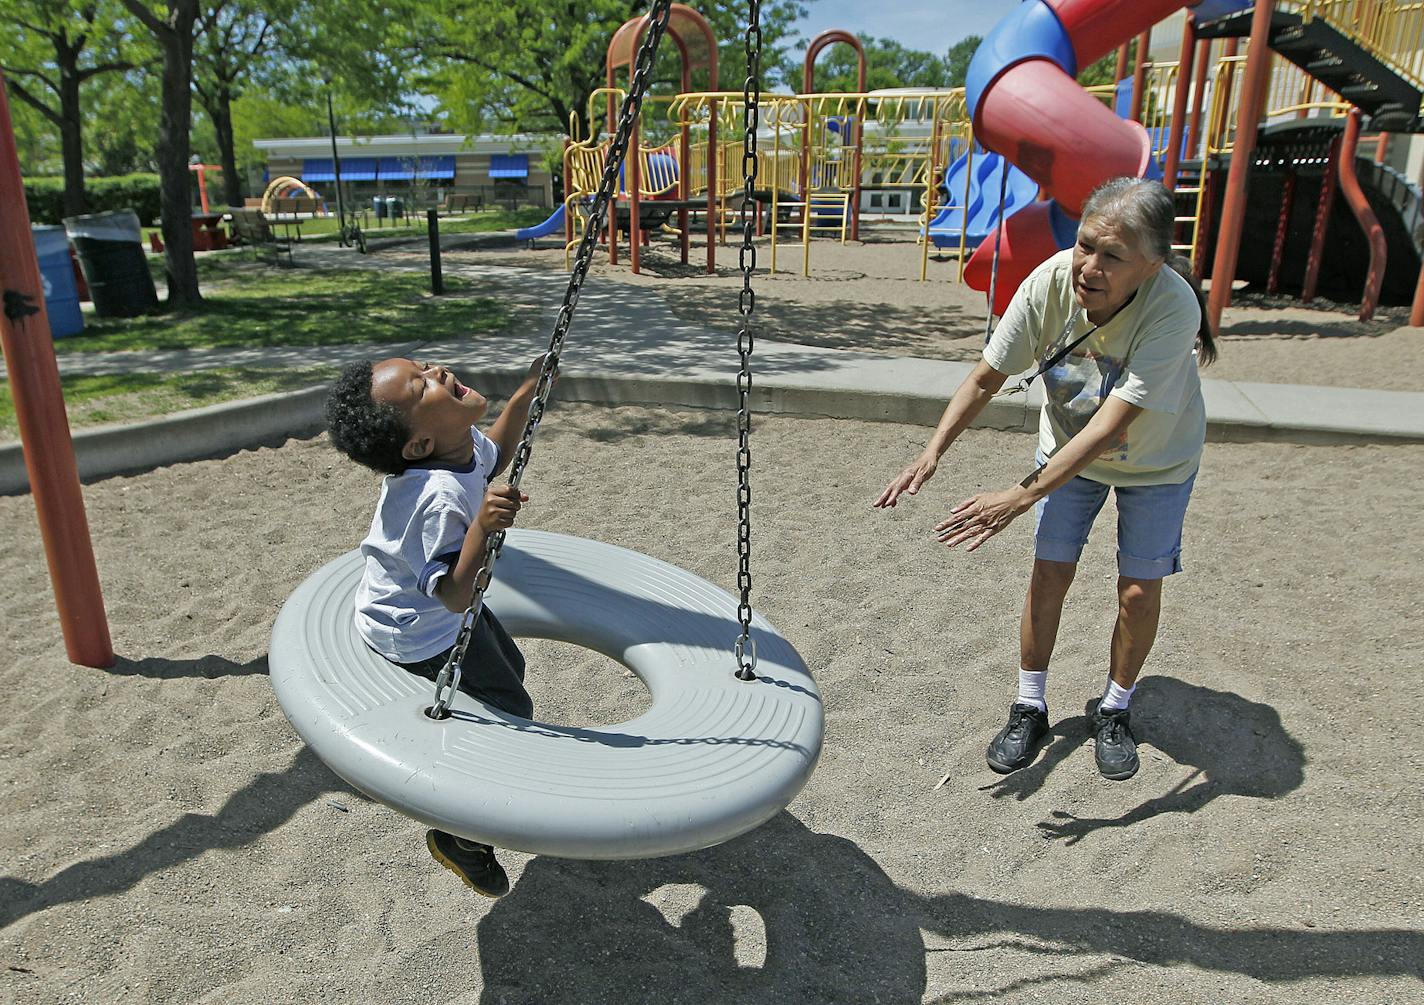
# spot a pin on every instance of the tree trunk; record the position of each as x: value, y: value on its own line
x: 174, y: 146
x: 71, y: 142
x: 221, y: 114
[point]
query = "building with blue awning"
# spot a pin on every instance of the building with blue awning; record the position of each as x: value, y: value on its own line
x: 423, y: 168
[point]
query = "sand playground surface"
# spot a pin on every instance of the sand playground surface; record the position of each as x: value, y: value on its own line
x: 169, y: 838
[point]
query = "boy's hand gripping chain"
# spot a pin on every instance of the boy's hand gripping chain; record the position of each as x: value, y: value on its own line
x: 746, y: 303
x: 448, y: 680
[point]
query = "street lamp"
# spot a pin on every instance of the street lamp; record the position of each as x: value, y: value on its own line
x: 336, y: 168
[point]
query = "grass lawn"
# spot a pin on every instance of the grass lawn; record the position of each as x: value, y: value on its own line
x: 324, y: 228
x: 253, y: 305
x: 126, y: 397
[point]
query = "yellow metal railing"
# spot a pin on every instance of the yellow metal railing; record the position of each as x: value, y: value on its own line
x: 1392, y: 30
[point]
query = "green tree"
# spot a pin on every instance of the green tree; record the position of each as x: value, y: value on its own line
x: 957, y: 59
x: 1104, y: 71
x: 172, y: 26
x: 233, y: 38
x: 887, y: 64
x: 524, y: 66
x: 52, y: 48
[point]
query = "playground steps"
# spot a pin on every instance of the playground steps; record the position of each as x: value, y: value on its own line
x: 1337, y: 61
x: 1189, y: 195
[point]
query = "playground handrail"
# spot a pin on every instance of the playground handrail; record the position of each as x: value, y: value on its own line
x: 1393, y: 31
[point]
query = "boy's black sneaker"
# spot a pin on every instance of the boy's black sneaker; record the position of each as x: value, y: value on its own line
x: 1115, y: 748
x: 474, y: 863
x: 1018, y: 741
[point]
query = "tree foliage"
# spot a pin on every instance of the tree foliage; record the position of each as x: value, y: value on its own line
x: 958, y: 57
x: 887, y: 64
x: 525, y: 65
x: 51, y: 49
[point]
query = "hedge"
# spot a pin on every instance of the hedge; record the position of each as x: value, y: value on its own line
x: 138, y: 192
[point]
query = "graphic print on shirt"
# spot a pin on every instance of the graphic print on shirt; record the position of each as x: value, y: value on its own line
x: 1076, y: 388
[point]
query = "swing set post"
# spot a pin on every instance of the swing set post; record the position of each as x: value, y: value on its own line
x: 44, y: 427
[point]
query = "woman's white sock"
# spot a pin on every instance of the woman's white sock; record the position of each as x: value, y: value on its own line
x: 1115, y: 696
x: 1031, y: 687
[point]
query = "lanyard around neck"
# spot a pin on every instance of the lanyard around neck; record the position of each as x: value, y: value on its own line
x: 1023, y: 385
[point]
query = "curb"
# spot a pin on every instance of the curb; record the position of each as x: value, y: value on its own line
x: 218, y: 430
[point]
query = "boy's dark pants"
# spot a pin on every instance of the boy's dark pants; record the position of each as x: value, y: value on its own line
x: 492, y: 670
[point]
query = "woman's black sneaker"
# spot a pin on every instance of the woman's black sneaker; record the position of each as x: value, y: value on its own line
x: 1018, y: 741
x: 474, y: 863
x: 1114, y: 746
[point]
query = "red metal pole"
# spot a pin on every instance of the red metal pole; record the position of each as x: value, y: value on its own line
x: 1139, y: 74
x: 684, y: 158
x: 613, y: 203
x: 712, y: 156
x: 1179, y: 103
x: 1360, y: 206
x: 1228, y: 51
x: 633, y: 163
x: 1416, y: 311
x: 1323, y: 207
x: 1208, y: 205
x: 1273, y: 279
x: 1192, y: 149
x: 1381, y: 148
x: 568, y: 209
x: 44, y: 427
x: 1121, y: 71
x: 1233, y: 213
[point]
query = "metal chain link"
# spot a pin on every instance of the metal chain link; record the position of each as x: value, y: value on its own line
x: 449, y: 676
x: 746, y: 304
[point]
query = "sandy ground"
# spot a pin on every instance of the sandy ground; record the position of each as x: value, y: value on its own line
x: 168, y: 838
x: 868, y: 297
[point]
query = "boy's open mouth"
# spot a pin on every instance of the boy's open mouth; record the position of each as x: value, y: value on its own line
x: 461, y: 391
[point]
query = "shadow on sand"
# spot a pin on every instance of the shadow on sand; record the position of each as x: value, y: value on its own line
x: 1237, y: 747
x: 837, y: 929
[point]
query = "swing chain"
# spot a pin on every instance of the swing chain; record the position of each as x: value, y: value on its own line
x: 746, y: 303
x: 448, y: 680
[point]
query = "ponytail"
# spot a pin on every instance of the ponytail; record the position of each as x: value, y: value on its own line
x: 1206, y: 341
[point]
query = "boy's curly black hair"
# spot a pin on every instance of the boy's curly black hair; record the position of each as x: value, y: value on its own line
x: 364, y: 430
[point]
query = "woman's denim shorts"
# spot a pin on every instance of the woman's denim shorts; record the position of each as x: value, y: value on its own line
x: 1149, y: 524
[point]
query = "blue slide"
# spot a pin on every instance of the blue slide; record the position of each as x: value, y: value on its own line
x: 549, y: 226
x: 982, y: 211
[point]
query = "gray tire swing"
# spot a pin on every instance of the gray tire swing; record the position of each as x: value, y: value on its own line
x: 722, y: 749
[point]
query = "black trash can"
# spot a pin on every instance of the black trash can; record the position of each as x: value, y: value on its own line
x: 395, y: 207
x: 110, y: 250
x: 378, y: 203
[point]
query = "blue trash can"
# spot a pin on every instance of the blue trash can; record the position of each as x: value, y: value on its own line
x: 61, y: 295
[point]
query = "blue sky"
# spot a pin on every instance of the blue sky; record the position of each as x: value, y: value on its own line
x: 928, y: 25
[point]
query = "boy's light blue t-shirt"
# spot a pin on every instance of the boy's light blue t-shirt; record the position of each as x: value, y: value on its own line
x: 415, y: 537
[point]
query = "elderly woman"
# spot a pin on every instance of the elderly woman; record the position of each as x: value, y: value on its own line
x: 1115, y: 338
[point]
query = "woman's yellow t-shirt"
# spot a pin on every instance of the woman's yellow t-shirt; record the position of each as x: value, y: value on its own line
x: 1144, y: 356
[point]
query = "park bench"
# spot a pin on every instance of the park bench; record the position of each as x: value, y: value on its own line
x: 461, y: 203
x: 251, y: 228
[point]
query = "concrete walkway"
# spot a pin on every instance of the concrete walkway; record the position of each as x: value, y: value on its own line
x: 627, y: 348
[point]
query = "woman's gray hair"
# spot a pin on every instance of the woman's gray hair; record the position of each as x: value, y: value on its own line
x: 1144, y: 209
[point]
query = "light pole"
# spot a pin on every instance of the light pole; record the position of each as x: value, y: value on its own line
x: 336, y: 168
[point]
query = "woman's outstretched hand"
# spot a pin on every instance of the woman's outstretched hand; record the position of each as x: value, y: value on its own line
x: 907, y: 481
x: 980, y: 517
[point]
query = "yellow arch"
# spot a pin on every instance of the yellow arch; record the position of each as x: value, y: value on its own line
x: 281, y: 185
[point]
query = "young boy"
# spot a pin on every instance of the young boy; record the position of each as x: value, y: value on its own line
x: 415, y: 423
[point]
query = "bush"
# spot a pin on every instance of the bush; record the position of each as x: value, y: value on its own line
x: 138, y: 192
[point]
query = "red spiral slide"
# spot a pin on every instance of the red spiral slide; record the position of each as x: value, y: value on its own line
x: 1038, y: 117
